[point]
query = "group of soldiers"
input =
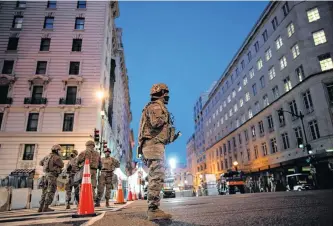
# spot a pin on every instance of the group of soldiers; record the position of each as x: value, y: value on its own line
x: 263, y: 184
x: 53, y: 167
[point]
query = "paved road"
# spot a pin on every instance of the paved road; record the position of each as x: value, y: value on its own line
x: 280, y: 208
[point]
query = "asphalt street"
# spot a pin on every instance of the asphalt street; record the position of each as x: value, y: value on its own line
x: 280, y: 208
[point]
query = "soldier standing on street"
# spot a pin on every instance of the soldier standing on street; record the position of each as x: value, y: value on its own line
x: 71, y: 169
x: 94, y: 162
x: 109, y: 164
x: 156, y: 131
x: 52, y: 165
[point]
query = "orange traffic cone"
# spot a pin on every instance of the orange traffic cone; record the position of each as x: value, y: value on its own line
x: 86, y: 203
x: 129, y: 195
x: 120, y: 195
x: 134, y: 195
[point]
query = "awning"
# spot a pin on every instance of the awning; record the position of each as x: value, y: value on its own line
x: 25, y: 172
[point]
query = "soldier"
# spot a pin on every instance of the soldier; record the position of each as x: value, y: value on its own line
x: 71, y: 169
x: 156, y: 131
x: 109, y: 164
x: 94, y: 162
x: 52, y: 165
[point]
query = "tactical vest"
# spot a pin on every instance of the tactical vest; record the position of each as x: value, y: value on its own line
x: 163, y: 135
x: 49, y: 166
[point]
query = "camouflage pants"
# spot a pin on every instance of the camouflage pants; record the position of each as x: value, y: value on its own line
x: 93, y: 173
x: 68, y: 188
x: 49, y: 189
x: 156, y: 176
x: 105, y: 179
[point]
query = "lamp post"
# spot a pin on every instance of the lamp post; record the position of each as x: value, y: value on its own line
x: 235, y: 164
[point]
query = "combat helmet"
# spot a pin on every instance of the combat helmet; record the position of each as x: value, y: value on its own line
x: 56, y: 147
x: 90, y: 143
x: 75, y: 152
x: 157, y: 88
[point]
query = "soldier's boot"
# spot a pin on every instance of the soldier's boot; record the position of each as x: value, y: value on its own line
x: 158, y: 215
x: 107, y: 203
x: 68, y: 206
x: 40, y: 209
x: 47, y: 209
x: 97, y: 203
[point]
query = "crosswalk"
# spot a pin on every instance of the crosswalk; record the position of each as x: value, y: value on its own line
x: 60, y: 215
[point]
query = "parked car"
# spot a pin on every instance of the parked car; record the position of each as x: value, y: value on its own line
x: 299, y: 182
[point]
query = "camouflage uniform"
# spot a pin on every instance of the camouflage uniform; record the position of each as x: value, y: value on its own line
x: 105, y: 179
x: 71, y: 169
x: 52, y: 165
x: 94, y: 162
x: 155, y: 132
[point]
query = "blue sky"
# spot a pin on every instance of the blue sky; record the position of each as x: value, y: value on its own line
x: 186, y: 45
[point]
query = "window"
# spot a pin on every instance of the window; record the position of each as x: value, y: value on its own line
x: 273, y: 145
x: 247, y: 97
x: 71, y: 94
x: 234, y: 93
x: 275, y: 92
x: 265, y: 101
x: 248, y: 154
x: 81, y: 5
x: 285, y: 8
x: 17, y: 22
x: 32, y: 122
x: 37, y: 94
x: 76, y: 45
x: 229, y: 145
x: 257, y: 107
x: 264, y: 149
x: 231, y: 112
x: 265, y: 36
x: 256, y: 152
x: 241, y: 102
x: 285, y: 140
x: 12, y: 43
x: 254, y: 89
x: 48, y: 23
x: 222, y: 120
x: 234, y: 142
x: 291, y: 29
x: 295, y: 51
x: 243, y: 118
x: 279, y: 43
x: 261, y: 128
x: 274, y: 23
x: 319, y: 37
x: 229, y: 99
x: 224, y: 103
x: 239, y: 87
x: 308, y: 101
x: 262, y: 82
x: 298, y: 134
x: 232, y: 76
x: 287, y: 84
x: 329, y: 88
x: 249, y: 55
x: 68, y: 122
x: 224, y: 147
x: 272, y: 73
x: 251, y: 73
x: 293, y: 108
x: 45, y: 44
x: 270, y: 123
x: 66, y: 150
x: 79, y: 23
x: 226, y: 116
x: 240, y: 139
x: 256, y: 46
x: 235, y: 107
x: 268, y: 54
x: 245, y: 80
x: 281, y: 119
x: 21, y: 4
x: 253, y: 132
x: 52, y: 4
x: 259, y: 64
x: 1, y: 118
x: 8, y: 66
x: 250, y: 113
x: 221, y: 108
x: 314, y: 129
x: 242, y: 64
x: 313, y: 15
x: 74, y: 68
x: 29, y: 150
x: 41, y: 68
x: 246, y: 135
x: 283, y: 62
x: 300, y: 73
x: 325, y: 61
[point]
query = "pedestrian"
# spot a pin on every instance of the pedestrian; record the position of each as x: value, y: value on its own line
x: 94, y: 163
x: 156, y: 130
x: 272, y: 183
x: 109, y: 164
x: 52, y: 167
x: 71, y: 170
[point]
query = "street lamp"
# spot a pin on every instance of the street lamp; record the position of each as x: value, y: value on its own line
x: 235, y: 163
x: 100, y: 94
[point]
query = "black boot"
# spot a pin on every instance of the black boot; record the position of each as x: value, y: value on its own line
x: 47, y: 209
x: 107, y: 203
x: 40, y: 209
x: 97, y: 203
x: 68, y: 206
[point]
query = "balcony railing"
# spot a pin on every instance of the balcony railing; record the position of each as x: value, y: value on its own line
x: 30, y: 100
x: 7, y: 100
x: 64, y: 101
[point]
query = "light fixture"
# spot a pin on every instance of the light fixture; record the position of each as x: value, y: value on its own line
x: 235, y: 163
x: 102, y: 113
x: 100, y: 94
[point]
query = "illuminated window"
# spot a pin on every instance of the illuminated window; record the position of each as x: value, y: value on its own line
x: 325, y: 61
x: 268, y: 54
x: 291, y: 29
x: 251, y: 72
x: 279, y: 43
x: 319, y: 37
x: 295, y: 51
x: 247, y: 96
x: 313, y: 15
x: 272, y: 73
x: 283, y: 62
x: 259, y: 64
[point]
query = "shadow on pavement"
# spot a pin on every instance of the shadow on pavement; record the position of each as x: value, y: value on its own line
x: 173, y: 223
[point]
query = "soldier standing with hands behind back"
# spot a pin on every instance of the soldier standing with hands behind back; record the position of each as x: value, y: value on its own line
x: 52, y: 165
x: 71, y: 169
x: 155, y: 131
x: 109, y: 164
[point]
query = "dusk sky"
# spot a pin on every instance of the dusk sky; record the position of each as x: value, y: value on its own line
x: 186, y: 45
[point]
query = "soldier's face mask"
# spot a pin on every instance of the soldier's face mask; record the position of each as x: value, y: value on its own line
x: 107, y: 154
x: 165, y: 96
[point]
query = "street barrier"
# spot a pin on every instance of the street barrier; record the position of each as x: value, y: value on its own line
x: 35, y: 197
x: 61, y: 198
x: 20, y: 198
x: 4, y: 198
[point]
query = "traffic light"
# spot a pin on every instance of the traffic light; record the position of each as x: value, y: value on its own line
x: 105, y: 145
x: 309, y: 149
x: 300, y: 142
x: 96, y: 135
